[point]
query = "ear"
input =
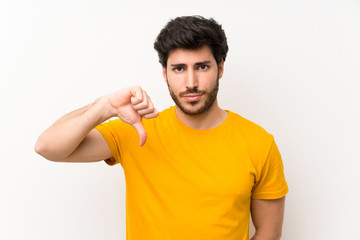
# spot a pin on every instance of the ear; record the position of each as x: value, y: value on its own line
x: 164, y: 73
x: 221, y: 68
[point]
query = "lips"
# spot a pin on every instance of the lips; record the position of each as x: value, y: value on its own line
x: 192, y: 97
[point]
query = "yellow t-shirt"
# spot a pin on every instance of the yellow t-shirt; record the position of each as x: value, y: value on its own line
x: 194, y: 184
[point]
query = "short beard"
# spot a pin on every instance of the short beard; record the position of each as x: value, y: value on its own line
x: 211, y: 97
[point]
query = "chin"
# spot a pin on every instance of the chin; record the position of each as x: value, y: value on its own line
x: 193, y: 108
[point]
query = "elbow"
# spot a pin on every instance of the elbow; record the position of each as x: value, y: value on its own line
x: 41, y: 148
x: 267, y: 235
x: 277, y: 236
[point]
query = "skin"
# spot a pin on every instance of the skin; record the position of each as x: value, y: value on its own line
x: 73, y: 138
x: 267, y: 216
x: 195, y: 69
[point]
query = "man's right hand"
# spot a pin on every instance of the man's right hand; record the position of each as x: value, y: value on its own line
x: 73, y: 138
x: 131, y: 105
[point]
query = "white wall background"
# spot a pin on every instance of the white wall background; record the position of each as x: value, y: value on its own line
x: 293, y: 68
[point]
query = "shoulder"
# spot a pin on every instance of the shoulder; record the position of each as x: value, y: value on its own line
x: 249, y: 129
x: 256, y: 140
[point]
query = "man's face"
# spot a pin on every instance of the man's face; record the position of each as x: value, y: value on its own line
x: 193, y: 77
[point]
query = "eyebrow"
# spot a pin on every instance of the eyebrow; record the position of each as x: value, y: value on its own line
x: 178, y: 65
x: 196, y: 64
x: 203, y: 63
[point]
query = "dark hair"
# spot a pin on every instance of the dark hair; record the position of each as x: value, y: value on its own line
x: 191, y: 32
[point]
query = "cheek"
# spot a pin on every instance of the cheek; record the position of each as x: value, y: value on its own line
x: 175, y: 82
x: 174, y: 87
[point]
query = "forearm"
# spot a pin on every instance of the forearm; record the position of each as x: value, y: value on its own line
x: 65, y: 135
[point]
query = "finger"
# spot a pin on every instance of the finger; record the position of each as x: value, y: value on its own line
x: 149, y: 109
x: 151, y: 115
x: 141, y: 132
x: 136, y: 95
x: 143, y: 104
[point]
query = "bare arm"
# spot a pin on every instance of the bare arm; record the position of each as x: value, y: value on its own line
x: 267, y: 216
x: 73, y: 138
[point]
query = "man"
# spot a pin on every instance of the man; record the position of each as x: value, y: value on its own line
x: 199, y: 170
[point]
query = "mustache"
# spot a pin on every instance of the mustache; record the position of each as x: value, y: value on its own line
x: 192, y: 90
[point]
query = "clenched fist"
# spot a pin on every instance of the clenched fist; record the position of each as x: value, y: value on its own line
x: 131, y: 105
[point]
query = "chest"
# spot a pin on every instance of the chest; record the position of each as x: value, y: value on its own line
x: 201, y: 167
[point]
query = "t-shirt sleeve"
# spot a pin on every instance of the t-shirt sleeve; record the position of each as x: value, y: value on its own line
x: 271, y: 184
x: 117, y: 135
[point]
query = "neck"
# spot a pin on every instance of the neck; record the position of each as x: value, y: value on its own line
x: 207, y: 120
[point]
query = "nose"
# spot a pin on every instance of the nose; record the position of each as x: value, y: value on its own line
x: 191, y: 79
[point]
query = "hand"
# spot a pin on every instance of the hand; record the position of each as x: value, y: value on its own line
x: 131, y: 105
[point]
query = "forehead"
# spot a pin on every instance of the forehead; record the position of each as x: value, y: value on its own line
x: 190, y: 56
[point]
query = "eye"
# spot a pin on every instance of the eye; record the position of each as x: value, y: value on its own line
x: 178, y: 69
x: 203, y: 67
